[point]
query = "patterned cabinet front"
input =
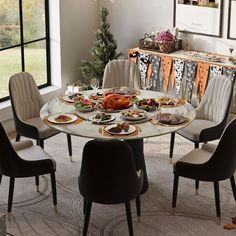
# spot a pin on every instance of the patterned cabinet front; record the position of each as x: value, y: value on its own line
x: 178, y: 75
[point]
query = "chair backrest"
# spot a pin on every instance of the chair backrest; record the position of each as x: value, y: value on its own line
x: 120, y: 73
x: 215, y: 104
x: 25, y: 97
x: 108, y: 174
x: 8, y: 156
x: 222, y: 164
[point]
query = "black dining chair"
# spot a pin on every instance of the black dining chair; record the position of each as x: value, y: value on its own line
x: 23, y: 159
x: 210, y: 164
x: 26, y: 103
x: 108, y: 176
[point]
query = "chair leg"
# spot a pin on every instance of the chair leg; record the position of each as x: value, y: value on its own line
x: 10, y: 195
x: 69, y: 145
x: 172, y: 143
x: 40, y: 142
x: 87, y: 217
x: 37, y: 182
x: 129, y: 218
x: 217, y: 199
x: 138, y: 207
x: 85, y: 206
x: 54, y: 190
x: 0, y: 178
x: 17, y: 137
x: 196, y: 186
x: 175, y: 191
x: 196, y: 144
x: 232, y: 181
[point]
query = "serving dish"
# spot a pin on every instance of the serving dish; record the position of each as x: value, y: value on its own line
x: 147, y: 104
x: 72, y: 98
x: 62, y: 118
x: 101, y: 118
x: 134, y: 114
x: 170, y: 119
x: 123, y: 91
x: 120, y: 129
x: 85, y: 105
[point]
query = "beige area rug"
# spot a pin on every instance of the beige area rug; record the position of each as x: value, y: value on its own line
x: 33, y: 213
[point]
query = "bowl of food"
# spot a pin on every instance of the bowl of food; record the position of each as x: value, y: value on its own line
x: 101, y: 117
x: 147, y: 104
x: 166, y: 101
x: 85, y: 105
x: 134, y: 114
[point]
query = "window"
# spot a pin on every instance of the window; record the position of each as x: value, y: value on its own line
x: 24, y: 41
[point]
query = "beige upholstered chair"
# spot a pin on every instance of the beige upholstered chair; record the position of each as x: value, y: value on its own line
x: 120, y: 73
x: 26, y: 103
x: 210, y: 164
x: 211, y: 114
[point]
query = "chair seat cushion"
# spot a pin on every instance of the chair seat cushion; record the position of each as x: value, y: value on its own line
x: 192, y: 131
x: 44, y: 130
x: 35, y: 153
x: 190, y: 165
x: 196, y: 156
x: 209, y: 147
x: 22, y: 144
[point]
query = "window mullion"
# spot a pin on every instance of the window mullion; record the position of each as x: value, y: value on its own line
x: 22, y: 36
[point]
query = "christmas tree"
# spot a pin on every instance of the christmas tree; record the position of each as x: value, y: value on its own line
x: 103, y: 51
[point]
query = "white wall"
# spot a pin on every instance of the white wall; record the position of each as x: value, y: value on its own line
x: 78, y: 21
x: 131, y: 19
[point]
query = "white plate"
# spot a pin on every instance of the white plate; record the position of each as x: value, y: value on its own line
x: 131, y: 130
x: 67, y: 98
x: 51, y: 118
x: 93, y: 119
x: 134, y: 118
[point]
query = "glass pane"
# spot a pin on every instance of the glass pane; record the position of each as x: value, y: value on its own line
x: 9, y: 23
x: 33, y: 19
x: 35, y: 61
x: 10, y: 63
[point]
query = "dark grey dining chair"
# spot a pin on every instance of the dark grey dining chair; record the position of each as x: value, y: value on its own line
x: 108, y: 176
x: 210, y: 164
x: 21, y: 160
x: 26, y: 103
x: 211, y: 114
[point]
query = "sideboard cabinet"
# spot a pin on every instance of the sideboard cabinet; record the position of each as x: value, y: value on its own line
x: 179, y: 74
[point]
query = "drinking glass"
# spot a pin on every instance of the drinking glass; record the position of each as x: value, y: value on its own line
x: 94, y: 83
x: 146, y: 84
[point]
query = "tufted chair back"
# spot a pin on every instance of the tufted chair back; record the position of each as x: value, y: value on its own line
x: 120, y: 73
x: 215, y: 104
x: 25, y: 97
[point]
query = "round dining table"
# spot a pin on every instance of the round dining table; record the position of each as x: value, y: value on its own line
x: 145, y: 128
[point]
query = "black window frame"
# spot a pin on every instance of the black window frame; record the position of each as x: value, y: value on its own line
x: 22, y: 44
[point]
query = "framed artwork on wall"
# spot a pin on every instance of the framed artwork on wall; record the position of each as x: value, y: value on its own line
x: 232, y: 19
x: 202, y: 17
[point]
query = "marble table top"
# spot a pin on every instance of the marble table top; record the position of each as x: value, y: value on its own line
x: 90, y: 130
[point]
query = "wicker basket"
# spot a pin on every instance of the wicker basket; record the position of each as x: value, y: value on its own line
x: 147, y: 43
x: 166, y: 47
x: 144, y: 44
